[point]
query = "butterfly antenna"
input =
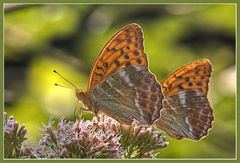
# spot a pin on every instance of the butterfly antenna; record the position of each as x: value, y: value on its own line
x: 61, y: 86
x: 64, y: 79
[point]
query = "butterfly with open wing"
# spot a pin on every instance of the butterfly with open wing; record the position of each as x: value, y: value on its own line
x: 122, y: 87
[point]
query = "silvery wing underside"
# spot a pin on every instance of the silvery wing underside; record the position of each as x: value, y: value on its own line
x: 128, y: 94
x: 187, y: 114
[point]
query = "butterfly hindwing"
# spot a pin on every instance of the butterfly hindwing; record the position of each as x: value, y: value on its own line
x: 187, y: 114
x: 125, y: 48
x: 130, y: 93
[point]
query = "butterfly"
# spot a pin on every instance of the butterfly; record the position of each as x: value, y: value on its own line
x: 122, y: 87
x: 187, y: 112
x: 120, y: 84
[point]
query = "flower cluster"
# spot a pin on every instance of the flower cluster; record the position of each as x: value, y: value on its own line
x: 14, y: 136
x: 82, y: 139
x: 140, y: 141
x: 101, y: 137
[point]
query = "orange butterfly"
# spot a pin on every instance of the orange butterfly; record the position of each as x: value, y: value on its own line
x: 121, y: 86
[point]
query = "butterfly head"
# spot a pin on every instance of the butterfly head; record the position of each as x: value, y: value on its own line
x: 85, y: 99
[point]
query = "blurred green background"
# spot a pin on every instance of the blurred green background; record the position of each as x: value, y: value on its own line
x: 40, y: 38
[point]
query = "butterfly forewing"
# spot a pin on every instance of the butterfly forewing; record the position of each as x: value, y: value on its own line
x: 194, y: 76
x: 125, y: 48
x: 186, y: 110
x: 130, y: 93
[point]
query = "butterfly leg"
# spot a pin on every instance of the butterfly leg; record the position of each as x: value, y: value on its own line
x: 80, y: 114
x: 83, y: 109
x: 98, y: 117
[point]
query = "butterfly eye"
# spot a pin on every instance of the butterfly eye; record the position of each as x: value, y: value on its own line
x: 80, y: 93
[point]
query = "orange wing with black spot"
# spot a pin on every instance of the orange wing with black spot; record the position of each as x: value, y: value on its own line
x: 125, y: 48
x: 194, y: 76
